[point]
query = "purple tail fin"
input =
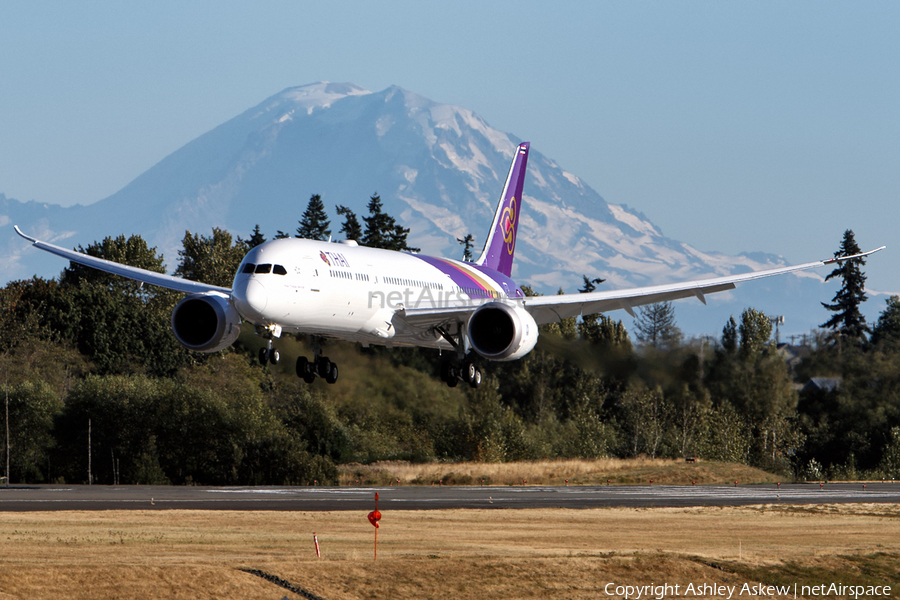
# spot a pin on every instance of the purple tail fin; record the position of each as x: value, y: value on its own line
x: 501, y: 242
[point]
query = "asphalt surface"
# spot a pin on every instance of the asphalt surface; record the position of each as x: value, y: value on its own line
x: 92, y: 498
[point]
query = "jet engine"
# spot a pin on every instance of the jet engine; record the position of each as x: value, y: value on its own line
x: 206, y: 322
x: 501, y: 332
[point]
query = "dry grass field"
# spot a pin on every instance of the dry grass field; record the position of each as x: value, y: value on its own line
x: 556, y: 553
x: 554, y: 472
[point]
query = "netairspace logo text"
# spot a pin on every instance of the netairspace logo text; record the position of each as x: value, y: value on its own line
x: 691, y: 590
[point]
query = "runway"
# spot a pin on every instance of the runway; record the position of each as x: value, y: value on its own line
x: 94, y: 498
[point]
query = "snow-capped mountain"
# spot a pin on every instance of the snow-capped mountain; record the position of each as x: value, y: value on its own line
x: 438, y: 168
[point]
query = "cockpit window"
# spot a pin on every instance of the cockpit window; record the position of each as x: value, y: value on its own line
x: 267, y: 268
x: 279, y: 270
x: 248, y: 268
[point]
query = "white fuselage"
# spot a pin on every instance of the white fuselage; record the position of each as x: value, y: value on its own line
x: 351, y: 292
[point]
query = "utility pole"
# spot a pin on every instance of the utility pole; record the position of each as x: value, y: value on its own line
x: 6, y: 387
x: 776, y: 321
x: 7, y: 428
x: 90, y: 478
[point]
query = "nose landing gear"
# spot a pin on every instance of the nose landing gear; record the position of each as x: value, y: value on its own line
x: 269, y: 355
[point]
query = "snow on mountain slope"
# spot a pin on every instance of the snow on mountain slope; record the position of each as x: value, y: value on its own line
x: 439, y: 168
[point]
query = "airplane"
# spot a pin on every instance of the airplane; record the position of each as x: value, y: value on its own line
x: 342, y: 290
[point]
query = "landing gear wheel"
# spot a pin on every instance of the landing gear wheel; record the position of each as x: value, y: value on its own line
x: 323, y: 366
x: 446, y: 368
x: 452, y: 376
x: 476, y: 379
x: 332, y: 374
x: 305, y: 369
x: 469, y: 370
x: 274, y: 356
x: 263, y: 356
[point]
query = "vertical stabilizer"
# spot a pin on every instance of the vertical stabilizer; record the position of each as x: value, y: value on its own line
x: 500, y: 246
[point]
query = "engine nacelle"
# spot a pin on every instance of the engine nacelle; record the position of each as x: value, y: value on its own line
x: 206, y: 322
x: 501, y: 332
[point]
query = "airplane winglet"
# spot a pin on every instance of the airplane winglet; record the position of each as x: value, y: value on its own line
x: 27, y: 237
x: 843, y: 258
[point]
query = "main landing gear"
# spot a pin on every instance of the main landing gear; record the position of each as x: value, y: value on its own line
x: 463, y: 368
x: 465, y: 371
x: 320, y: 366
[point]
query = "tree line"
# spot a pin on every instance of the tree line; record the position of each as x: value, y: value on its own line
x: 89, y: 354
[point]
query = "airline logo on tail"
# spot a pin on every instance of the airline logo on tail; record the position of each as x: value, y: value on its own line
x: 509, y: 226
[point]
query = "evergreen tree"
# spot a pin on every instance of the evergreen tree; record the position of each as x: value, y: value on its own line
x: 655, y: 325
x: 467, y: 246
x: 256, y: 239
x: 315, y: 222
x: 588, y: 328
x: 599, y: 328
x: 887, y: 330
x: 729, y: 336
x: 604, y: 331
x: 382, y: 230
x: 351, y: 227
x: 848, y: 322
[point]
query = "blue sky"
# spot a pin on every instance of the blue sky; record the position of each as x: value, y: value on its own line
x: 733, y: 126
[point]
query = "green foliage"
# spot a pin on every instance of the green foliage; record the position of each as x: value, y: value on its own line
x: 655, y: 326
x: 256, y: 239
x: 98, y: 349
x: 603, y: 331
x: 755, y: 331
x: 121, y: 326
x: 886, y: 331
x: 351, y: 228
x: 213, y: 260
x: 646, y: 418
x: 32, y: 407
x: 848, y: 323
x: 314, y: 223
x: 382, y: 230
x: 158, y: 431
x: 133, y: 252
x: 467, y: 246
x: 890, y: 460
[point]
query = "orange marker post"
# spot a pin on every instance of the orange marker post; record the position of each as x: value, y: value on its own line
x: 374, y: 517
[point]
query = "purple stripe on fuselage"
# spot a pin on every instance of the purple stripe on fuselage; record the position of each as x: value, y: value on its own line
x: 457, y: 273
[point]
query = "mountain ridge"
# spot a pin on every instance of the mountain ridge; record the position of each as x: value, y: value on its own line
x: 439, y: 168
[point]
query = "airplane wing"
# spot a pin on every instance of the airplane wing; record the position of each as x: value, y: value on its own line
x: 166, y: 281
x: 550, y: 309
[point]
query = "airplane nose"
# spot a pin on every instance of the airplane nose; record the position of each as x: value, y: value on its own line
x: 253, y: 298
